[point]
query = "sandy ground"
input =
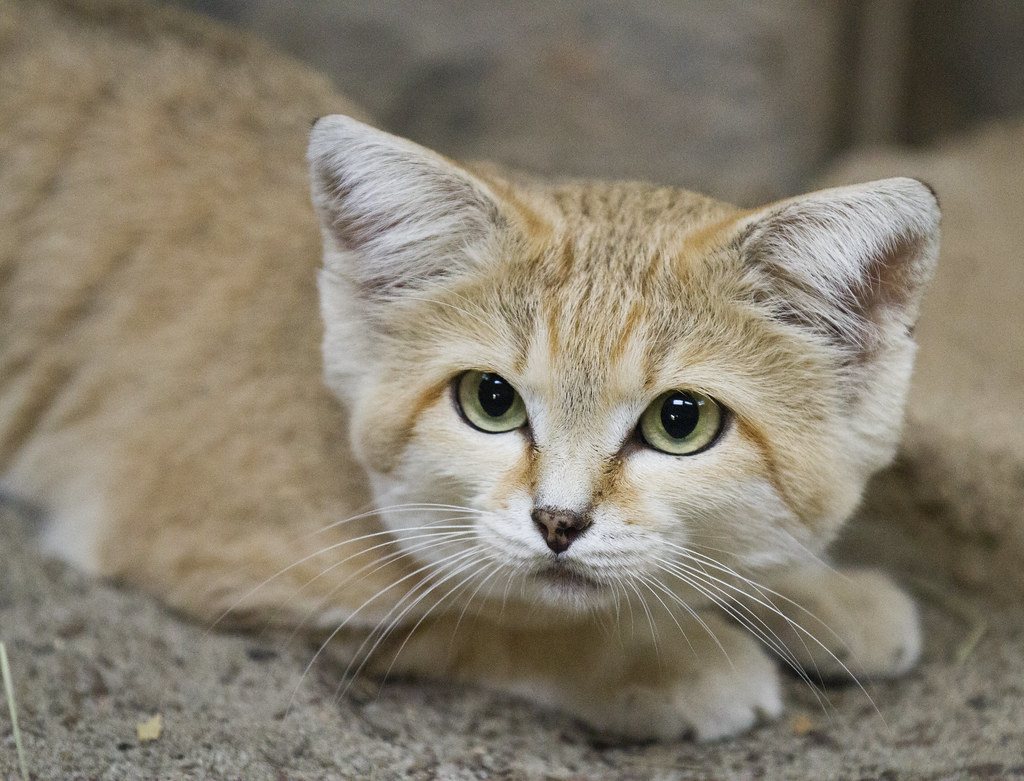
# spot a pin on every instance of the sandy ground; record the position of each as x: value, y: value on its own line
x: 91, y: 661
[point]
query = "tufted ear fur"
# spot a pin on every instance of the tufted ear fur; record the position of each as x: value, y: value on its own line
x: 848, y: 263
x: 394, y: 215
x: 849, y: 266
x: 396, y: 220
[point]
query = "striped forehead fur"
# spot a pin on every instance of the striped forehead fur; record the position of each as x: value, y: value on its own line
x: 598, y: 296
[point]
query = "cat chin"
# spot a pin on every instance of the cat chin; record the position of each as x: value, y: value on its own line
x: 568, y: 590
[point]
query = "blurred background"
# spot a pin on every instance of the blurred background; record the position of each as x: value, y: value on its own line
x: 743, y: 100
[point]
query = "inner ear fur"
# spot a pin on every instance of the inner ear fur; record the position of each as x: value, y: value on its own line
x: 393, y: 214
x: 849, y: 263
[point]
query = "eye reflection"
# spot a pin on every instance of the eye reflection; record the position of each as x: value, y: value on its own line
x: 488, y: 402
x: 681, y: 422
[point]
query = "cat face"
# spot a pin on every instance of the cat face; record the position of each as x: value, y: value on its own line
x: 610, y: 386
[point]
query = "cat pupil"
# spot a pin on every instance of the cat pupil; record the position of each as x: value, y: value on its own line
x: 496, y: 396
x: 679, y: 415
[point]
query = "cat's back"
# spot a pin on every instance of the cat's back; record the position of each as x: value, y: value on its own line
x: 158, y: 256
x: 149, y: 162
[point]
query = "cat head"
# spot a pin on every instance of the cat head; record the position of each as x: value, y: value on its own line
x: 605, y: 380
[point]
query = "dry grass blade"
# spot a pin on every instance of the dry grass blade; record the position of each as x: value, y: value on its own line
x: 5, y: 672
x: 957, y: 607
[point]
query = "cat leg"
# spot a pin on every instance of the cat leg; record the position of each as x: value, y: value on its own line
x: 714, y: 682
x: 840, y: 623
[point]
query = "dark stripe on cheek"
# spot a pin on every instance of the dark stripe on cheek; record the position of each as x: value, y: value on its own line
x: 391, y: 436
x: 753, y: 435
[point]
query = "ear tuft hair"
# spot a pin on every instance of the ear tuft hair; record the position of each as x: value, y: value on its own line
x: 394, y: 215
x: 849, y: 263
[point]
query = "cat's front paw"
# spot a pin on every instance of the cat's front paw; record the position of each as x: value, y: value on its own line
x: 721, y: 692
x: 852, y: 622
x: 730, y: 698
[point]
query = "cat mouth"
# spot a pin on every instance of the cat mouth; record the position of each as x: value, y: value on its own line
x: 568, y: 580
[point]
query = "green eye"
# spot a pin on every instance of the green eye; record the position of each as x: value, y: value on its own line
x: 489, y: 403
x: 681, y: 422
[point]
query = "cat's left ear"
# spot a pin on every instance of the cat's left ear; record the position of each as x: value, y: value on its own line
x: 849, y: 263
x: 395, y: 216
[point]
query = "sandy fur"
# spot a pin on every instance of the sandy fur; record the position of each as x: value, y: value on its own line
x: 164, y: 396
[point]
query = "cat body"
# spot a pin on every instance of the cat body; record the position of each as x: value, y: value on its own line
x: 580, y: 441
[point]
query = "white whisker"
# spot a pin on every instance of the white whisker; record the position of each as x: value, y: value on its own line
x: 456, y: 588
x: 476, y: 591
x: 320, y: 552
x: 334, y: 633
x: 651, y: 583
x: 435, y: 540
x: 650, y: 618
x: 439, y: 578
x: 724, y: 594
x: 709, y: 591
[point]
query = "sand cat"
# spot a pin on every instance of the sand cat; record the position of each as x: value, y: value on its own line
x: 580, y: 441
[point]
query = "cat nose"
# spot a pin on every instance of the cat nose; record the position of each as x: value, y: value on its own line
x: 560, y: 528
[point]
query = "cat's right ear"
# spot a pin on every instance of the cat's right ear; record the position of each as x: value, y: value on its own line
x: 394, y: 215
x: 849, y: 263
